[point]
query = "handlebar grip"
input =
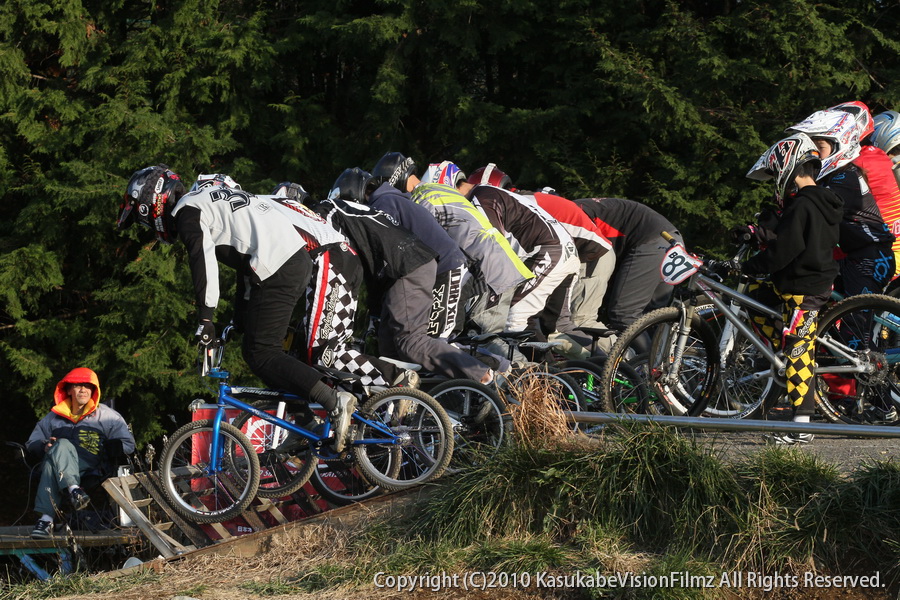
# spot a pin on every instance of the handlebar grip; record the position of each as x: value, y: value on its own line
x: 667, y: 236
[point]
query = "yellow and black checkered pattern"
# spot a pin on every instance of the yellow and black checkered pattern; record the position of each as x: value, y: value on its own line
x: 796, y: 336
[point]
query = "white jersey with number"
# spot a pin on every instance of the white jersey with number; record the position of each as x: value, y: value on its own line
x: 236, y: 228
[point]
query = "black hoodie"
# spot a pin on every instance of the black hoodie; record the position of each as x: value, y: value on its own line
x: 801, y: 259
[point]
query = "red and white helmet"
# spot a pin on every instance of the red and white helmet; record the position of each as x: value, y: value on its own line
x: 840, y: 128
x: 490, y: 175
x: 781, y: 162
x: 864, y: 122
x: 445, y: 173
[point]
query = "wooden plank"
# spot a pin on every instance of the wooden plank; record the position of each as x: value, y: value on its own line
x: 190, y: 530
x: 160, y: 542
x: 17, y: 538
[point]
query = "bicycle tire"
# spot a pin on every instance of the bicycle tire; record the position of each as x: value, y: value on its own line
x: 197, y: 494
x: 285, y: 467
x: 482, y: 423
x: 340, y: 482
x: 587, y: 374
x: 423, y: 428
x: 746, y: 386
x: 869, y: 325
x: 697, y: 376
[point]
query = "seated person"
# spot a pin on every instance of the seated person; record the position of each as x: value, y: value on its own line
x: 78, y: 436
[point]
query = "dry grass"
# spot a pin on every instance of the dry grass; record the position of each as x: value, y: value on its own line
x: 536, y: 410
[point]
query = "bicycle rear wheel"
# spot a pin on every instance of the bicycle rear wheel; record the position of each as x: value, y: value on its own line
x: 285, y: 459
x: 340, y: 481
x: 587, y: 374
x: 746, y: 385
x: 196, y: 490
x: 648, y: 347
x: 857, y: 361
x: 418, y: 447
x: 481, y: 422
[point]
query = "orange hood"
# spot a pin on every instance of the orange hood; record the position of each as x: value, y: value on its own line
x: 64, y: 405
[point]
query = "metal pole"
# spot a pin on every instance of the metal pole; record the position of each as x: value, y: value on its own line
x: 875, y: 431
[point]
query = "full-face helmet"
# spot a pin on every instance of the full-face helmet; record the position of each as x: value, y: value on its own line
x: 446, y: 173
x: 840, y: 129
x: 861, y: 114
x: 353, y: 185
x: 490, y: 175
x: 887, y: 131
x: 395, y: 169
x: 782, y: 161
x: 214, y: 179
x: 151, y: 195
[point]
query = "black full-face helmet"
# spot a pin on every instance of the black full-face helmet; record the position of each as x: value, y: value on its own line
x: 395, y: 169
x: 151, y: 195
x: 353, y: 185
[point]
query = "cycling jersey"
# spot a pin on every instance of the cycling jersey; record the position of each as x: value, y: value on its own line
x: 626, y: 223
x: 385, y: 248
x: 237, y: 228
x: 589, y: 239
x: 488, y: 251
x: 418, y: 219
x: 526, y: 225
x: 862, y: 224
x: 877, y: 168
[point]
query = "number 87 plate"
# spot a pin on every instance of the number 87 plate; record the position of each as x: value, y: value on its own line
x: 678, y: 264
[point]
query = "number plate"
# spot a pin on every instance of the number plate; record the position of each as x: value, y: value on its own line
x: 678, y: 264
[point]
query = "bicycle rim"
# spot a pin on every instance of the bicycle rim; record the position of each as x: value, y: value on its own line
x: 193, y: 489
x: 857, y: 361
x: 746, y: 386
x: 648, y: 384
x: 481, y: 422
x: 423, y: 435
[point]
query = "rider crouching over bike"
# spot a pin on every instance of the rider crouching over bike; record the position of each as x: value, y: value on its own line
x: 799, y: 261
x: 220, y: 222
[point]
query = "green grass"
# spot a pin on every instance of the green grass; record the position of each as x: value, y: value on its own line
x: 644, y: 499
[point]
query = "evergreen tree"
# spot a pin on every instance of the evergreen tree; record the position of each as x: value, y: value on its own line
x: 665, y: 102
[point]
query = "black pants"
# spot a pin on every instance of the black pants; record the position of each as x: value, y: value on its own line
x: 268, y: 316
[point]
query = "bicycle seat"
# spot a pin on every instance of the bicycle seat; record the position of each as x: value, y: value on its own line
x: 340, y: 376
x: 541, y: 346
x: 596, y: 333
x: 515, y: 336
x: 402, y: 364
x: 473, y: 339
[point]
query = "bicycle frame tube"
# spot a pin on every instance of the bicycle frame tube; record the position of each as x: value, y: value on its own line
x: 225, y: 400
x: 708, y: 286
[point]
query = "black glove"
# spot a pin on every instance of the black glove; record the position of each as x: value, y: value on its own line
x: 206, y: 333
x: 743, y: 234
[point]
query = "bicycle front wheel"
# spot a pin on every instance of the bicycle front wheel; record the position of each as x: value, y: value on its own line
x: 650, y: 381
x: 857, y: 361
x: 285, y: 459
x: 204, y: 490
x: 404, y: 439
x: 481, y: 422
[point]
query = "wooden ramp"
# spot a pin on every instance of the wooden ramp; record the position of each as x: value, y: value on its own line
x: 142, y: 503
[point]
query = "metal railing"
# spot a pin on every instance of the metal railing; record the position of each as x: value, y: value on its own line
x: 874, y: 431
